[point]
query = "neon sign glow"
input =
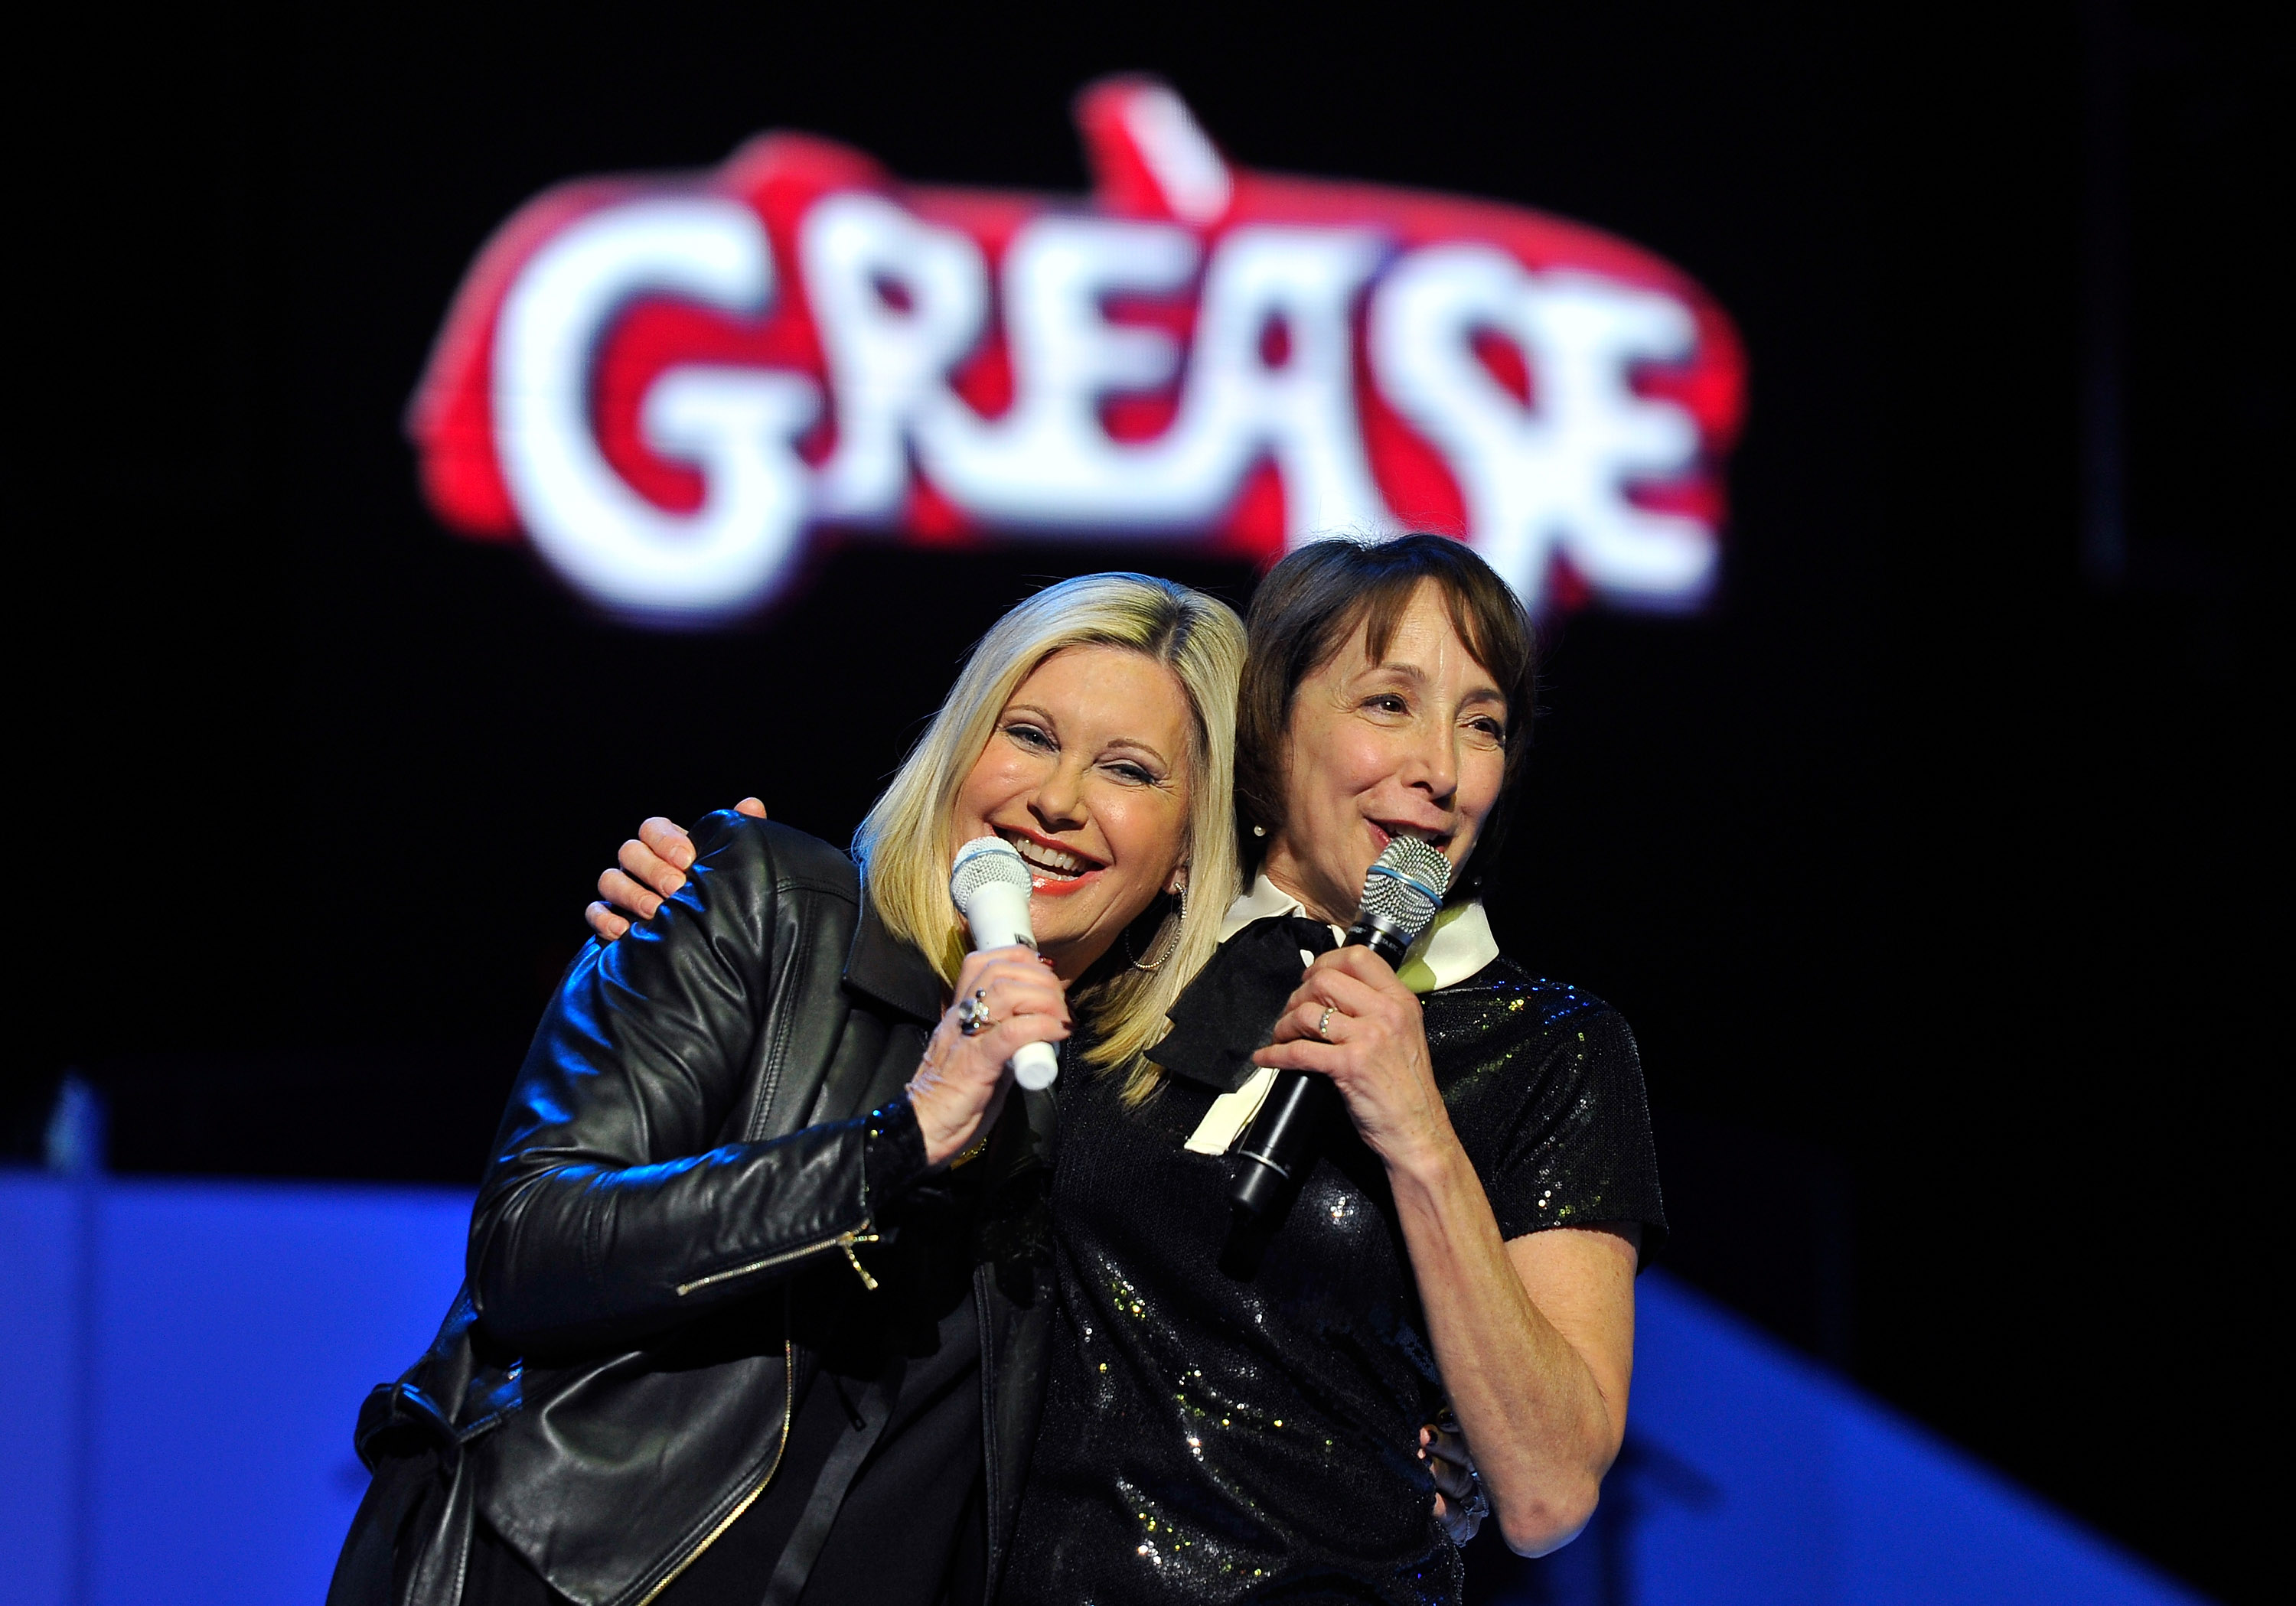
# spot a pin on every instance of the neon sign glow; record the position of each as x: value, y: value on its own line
x: 670, y: 385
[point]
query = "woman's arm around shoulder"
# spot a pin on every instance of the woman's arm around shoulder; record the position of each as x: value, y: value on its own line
x: 648, y: 868
x: 611, y: 1208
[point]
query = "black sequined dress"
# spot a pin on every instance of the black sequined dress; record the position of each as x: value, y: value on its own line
x: 1222, y: 1425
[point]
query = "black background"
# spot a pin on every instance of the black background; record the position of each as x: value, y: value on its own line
x: 1930, y: 865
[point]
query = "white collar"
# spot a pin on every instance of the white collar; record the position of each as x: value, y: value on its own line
x: 1455, y: 947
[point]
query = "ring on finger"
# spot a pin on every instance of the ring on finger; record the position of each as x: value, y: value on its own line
x: 973, y: 1017
x: 1325, y: 1021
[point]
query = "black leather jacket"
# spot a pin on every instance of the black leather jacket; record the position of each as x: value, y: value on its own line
x: 679, y: 1183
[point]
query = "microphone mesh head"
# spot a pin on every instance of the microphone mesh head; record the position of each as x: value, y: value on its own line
x: 986, y: 862
x: 1405, y: 886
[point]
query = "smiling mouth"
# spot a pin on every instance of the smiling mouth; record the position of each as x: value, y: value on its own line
x: 1389, y: 830
x: 1049, y: 862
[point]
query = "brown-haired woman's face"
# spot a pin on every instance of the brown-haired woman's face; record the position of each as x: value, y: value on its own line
x: 1411, y: 745
x: 1087, y: 774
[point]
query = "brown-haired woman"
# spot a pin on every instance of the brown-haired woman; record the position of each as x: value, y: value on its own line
x: 1223, y: 1427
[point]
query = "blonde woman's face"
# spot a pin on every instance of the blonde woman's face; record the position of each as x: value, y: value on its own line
x: 1087, y: 774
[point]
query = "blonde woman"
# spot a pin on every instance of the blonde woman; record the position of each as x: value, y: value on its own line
x: 758, y: 1300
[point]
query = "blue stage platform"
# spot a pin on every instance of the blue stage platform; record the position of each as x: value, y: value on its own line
x: 187, y: 1358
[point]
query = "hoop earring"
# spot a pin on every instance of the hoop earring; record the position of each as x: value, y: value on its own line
x: 1173, y: 926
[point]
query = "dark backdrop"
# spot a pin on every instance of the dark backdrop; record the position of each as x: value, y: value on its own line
x: 1923, y: 864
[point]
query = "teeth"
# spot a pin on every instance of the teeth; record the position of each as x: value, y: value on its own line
x: 1052, y: 861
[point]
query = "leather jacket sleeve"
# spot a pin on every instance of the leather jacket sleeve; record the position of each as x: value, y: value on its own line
x: 614, y: 1207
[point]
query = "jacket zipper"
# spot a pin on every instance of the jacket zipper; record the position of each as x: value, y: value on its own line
x: 843, y: 1240
x: 789, y: 1412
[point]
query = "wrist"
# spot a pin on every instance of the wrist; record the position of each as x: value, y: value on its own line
x: 894, y: 1155
x: 942, y: 1139
x: 1430, y: 1162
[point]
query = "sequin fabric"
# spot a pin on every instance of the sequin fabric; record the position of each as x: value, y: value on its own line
x: 1222, y: 1425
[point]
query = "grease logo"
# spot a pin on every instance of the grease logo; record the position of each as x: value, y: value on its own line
x: 672, y: 386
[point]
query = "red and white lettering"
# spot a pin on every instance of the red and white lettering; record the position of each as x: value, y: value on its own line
x: 665, y: 385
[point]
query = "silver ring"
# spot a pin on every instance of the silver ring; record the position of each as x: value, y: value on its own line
x: 972, y: 1014
x: 1326, y: 1021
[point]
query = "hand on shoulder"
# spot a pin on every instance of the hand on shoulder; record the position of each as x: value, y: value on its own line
x: 649, y: 867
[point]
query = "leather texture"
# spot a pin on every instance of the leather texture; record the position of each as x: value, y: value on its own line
x: 678, y: 1180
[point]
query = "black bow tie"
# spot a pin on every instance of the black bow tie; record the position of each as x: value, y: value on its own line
x: 1230, y: 1008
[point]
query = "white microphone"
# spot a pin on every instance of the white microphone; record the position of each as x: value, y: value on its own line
x: 990, y: 885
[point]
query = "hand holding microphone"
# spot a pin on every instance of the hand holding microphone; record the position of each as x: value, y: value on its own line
x: 1008, y: 1012
x: 1340, y: 1003
x: 990, y: 884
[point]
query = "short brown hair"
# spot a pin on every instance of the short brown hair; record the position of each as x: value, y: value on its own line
x: 1312, y: 603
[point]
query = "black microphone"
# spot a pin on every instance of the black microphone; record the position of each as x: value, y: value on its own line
x: 1401, y: 894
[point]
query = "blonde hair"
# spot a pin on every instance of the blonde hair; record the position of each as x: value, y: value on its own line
x: 905, y: 844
